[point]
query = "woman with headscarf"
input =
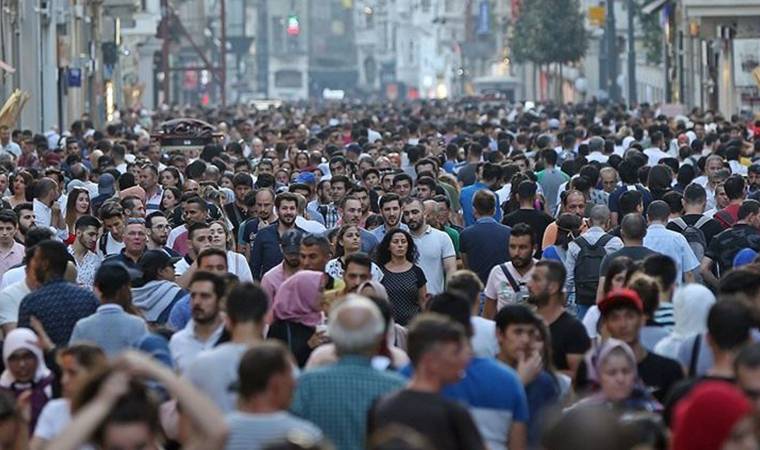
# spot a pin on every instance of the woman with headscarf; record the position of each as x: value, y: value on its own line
x: 297, y: 311
x: 25, y: 370
x: 612, y: 370
x: 691, y: 304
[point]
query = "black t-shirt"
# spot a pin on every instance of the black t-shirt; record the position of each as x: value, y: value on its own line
x: 710, y: 228
x: 537, y: 220
x: 727, y: 244
x: 568, y: 338
x: 444, y: 423
x: 637, y: 253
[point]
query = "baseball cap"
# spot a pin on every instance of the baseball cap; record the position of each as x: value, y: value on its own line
x: 154, y: 260
x: 621, y: 298
x: 291, y: 242
x: 306, y: 178
x: 553, y: 124
x: 744, y: 256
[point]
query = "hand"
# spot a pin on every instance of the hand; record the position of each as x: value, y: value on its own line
x: 43, y: 340
x: 317, y: 339
x: 529, y: 366
x: 114, y: 387
x: 55, y: 207
x: 24, y: 406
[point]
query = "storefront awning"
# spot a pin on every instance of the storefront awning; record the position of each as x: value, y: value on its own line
x: 653, y: 6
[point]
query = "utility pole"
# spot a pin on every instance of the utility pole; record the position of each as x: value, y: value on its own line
x: 612, y: 53
x: 223, y: 54
x: 632, y: 94
x: 96, y: 91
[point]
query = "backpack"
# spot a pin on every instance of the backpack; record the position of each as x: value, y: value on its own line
x: 587, y: 265
x: 694, y: 236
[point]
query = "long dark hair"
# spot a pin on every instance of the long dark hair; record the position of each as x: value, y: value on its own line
x: 617, y: 265
x: 383, y: 251
x: 71, y: 206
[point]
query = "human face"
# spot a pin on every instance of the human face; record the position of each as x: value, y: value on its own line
x: 200, y: 240
x: 351, y: 240
x: 25, y: 220
x: 7, y: 231
x: 753, y: 180
x: 82, y: 204
x: 240, y: 191
x: 424, y: 192
x: 217, y: 236
x: 313, y: 258
x: 147, y: 178
x: 88, y: 237
x: 214, y: 264
x: 168, y: 180
x: 337, y: 169
x: 371, y: 180
x: 363, y: 199
x: 355, y: 275
x: 159, y: 231
x: 521, y: 251
x: 72, y: 374
x: 609, y: 182
x: 391, y: 213
x: 388, y: 183
x: 623, y: 324
x: 337, y: 191
x: 399, y: 245
x: 516, y: 341
x: 287, y: 212
x: 138, y: 209
x: 128, y: 436
x: 154, y: 154
x: 575, y: 204
x: 402, y: 188
x: 748, y: 379
x: 450, y: 360
x: 3, y: 182
x: 425, y: 168
x: 115, y: 226
x: 618, y: 281
x: 539, y: 286
x: 617, y: 376
x: 193, y: 213
x: 742, y: 436
x: 169, y: 201
x: 414, y: 216
x: 19, y: 185
x: 135, y: 241
x: 191, y: 186
x: 712, y: 167
x: 23, y: 365
x: 263, y: 205
x: 351, y: 212
x: 204, y: 304
x: 443, y: 214
x: 721, y: 199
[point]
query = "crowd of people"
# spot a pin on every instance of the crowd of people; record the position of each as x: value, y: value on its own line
x: 422, y: 276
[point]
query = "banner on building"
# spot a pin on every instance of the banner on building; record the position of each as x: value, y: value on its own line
x: 746, y: 60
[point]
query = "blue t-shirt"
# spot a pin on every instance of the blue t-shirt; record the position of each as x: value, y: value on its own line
x: 486, y: 244
x: 542, y: 393
x: 465, y: 201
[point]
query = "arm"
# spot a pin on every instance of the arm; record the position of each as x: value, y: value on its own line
x: 600, y: 290
x: 465, y: 262
x: 422, y: 296
x: 573, y: 361
x: 489, y: 308
x: 572, y: 253
x: 449, y: 265
x: 518, y: 436
x: 706, y: 270
x: 184, y: 279
x: 256, y: 258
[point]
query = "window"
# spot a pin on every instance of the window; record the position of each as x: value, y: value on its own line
x: 288, y: 79
x: 278, y: 33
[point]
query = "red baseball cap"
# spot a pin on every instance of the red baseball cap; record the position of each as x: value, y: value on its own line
x: 621, y: 297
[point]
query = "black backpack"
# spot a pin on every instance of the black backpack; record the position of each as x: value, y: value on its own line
x: 587, y: 266
x: 694, y: 235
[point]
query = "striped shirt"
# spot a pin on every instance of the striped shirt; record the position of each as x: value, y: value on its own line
x: 256, y: 431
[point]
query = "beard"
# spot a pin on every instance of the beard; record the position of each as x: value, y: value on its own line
x: 539, y: 300
x: 202, y: 317
x: 414, y: 225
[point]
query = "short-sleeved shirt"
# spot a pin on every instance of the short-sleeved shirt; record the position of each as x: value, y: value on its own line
x: 550, y: 181
x: 537, y: 220
x: 403, y: 292
x: 499, y: 288
x: 615, y: 196
x: 486, y: 244
x: 434, y: 246
x: 727, y: 244
x: 568, y: 338
x: 256, y: 431
x: 636, y: 253
x: 710, y: 229
x: 674, y: 245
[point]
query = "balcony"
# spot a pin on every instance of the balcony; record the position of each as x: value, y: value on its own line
x: 721, y: 8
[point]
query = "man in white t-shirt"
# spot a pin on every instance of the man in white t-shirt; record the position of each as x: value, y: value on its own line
x: 655, y: 153
x: 437, y: 255
x: 508, y: 283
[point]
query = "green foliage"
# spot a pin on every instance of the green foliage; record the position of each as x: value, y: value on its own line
x: 653, y: 36
x: 549, y: 31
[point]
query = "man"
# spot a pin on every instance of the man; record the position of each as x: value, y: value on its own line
x: 629, y: 177
x: 438, y: 351
x: 47, y: 209
x: 214, y: 370
x: 402, y: 185
x: 11, y: 252
x: 153, y: 190
x: 356, y: 327
x: 56, y: 303
x: 573, y: 202
x: 157, y: 227
x: 527, y: 213
x: 6, y: 144
x: 748, y: 372
x: 744, y: 234
x: 517, y: 330
x: 156, y: 292
x: 550, y: 179
x: 237, y: 211
x: 609, y: 178
x: 26, y: 220
x: 477, y: 240
x: 133, y: 207
x: 260, y: 206
x: 467, y: 284
x: 390, y: 210
x: 584, y: 258
x: 82, y: 249
x: 596, y: 150
x: 290, y: 246
x: 198, y: 236
x: 350, y: 214
x: 134, y: 245
x: 16, y: 274
x: 568, y: 336
x: 507, y: 282
x: 111, y: 328
x: 468, y: 173
x: 211, y: 260
x: 194, y: 210
x: 111, y: 242
x: 315, y: 252
x: 693, y: 219
x: 205, y: 328
x: 339, y: 187
x: 358, y: 270
x: 265, y: 252
x: 711, y: 179
x: 654, y: 152
x: 324, y: 204
x: 622, y: 315
x: 669, y: 243
x: 633, y: 228
x: 437, y: 255
x: 490, y: 177
x: 362, y: 193
x: 735, y: 191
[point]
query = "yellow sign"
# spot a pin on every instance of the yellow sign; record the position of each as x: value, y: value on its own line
x: 596, y: 15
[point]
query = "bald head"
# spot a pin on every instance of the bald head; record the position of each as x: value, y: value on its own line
x: 356, y: 326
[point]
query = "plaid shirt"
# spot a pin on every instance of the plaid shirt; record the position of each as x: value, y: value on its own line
x: 336, y: 398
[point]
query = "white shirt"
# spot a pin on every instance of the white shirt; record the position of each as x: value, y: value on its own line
x: 214, y: 370
x: 43, y: 214
x: 185, y: 345
x: 55, y: 416
x: 12, y: 148
x: 113, y: 247
x: 310, y: 226
x: 484, y: 343
x: 182, y: 265
x: 10, y: 299
x: 655, y: 155
x: 598, y: 157
x: 12, y: 276
x: 434, y: 246
x: 236, y: 264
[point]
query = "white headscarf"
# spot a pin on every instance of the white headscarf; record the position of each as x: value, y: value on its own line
x: 22, y: 338
x: 691, y: 304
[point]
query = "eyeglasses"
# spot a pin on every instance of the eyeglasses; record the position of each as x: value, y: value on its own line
x: 160, y: 227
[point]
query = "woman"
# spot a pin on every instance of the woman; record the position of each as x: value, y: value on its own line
x: 169, y: 200
x: 568, y: 228
x: 77, y: 363
x: 659, y: 181
x: 616, y: 276
x: 691, y: 304
x: 20, y: 183
x: 170, y: 177
x: 25, y: 370
x: 612, y: 370
x: 402, y: 278
x: 220, y: 237
x: 297, y: 311
x: 77, y: 205
x: 301, y: 161
x: 348, y: 242
x: 225, y: 181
